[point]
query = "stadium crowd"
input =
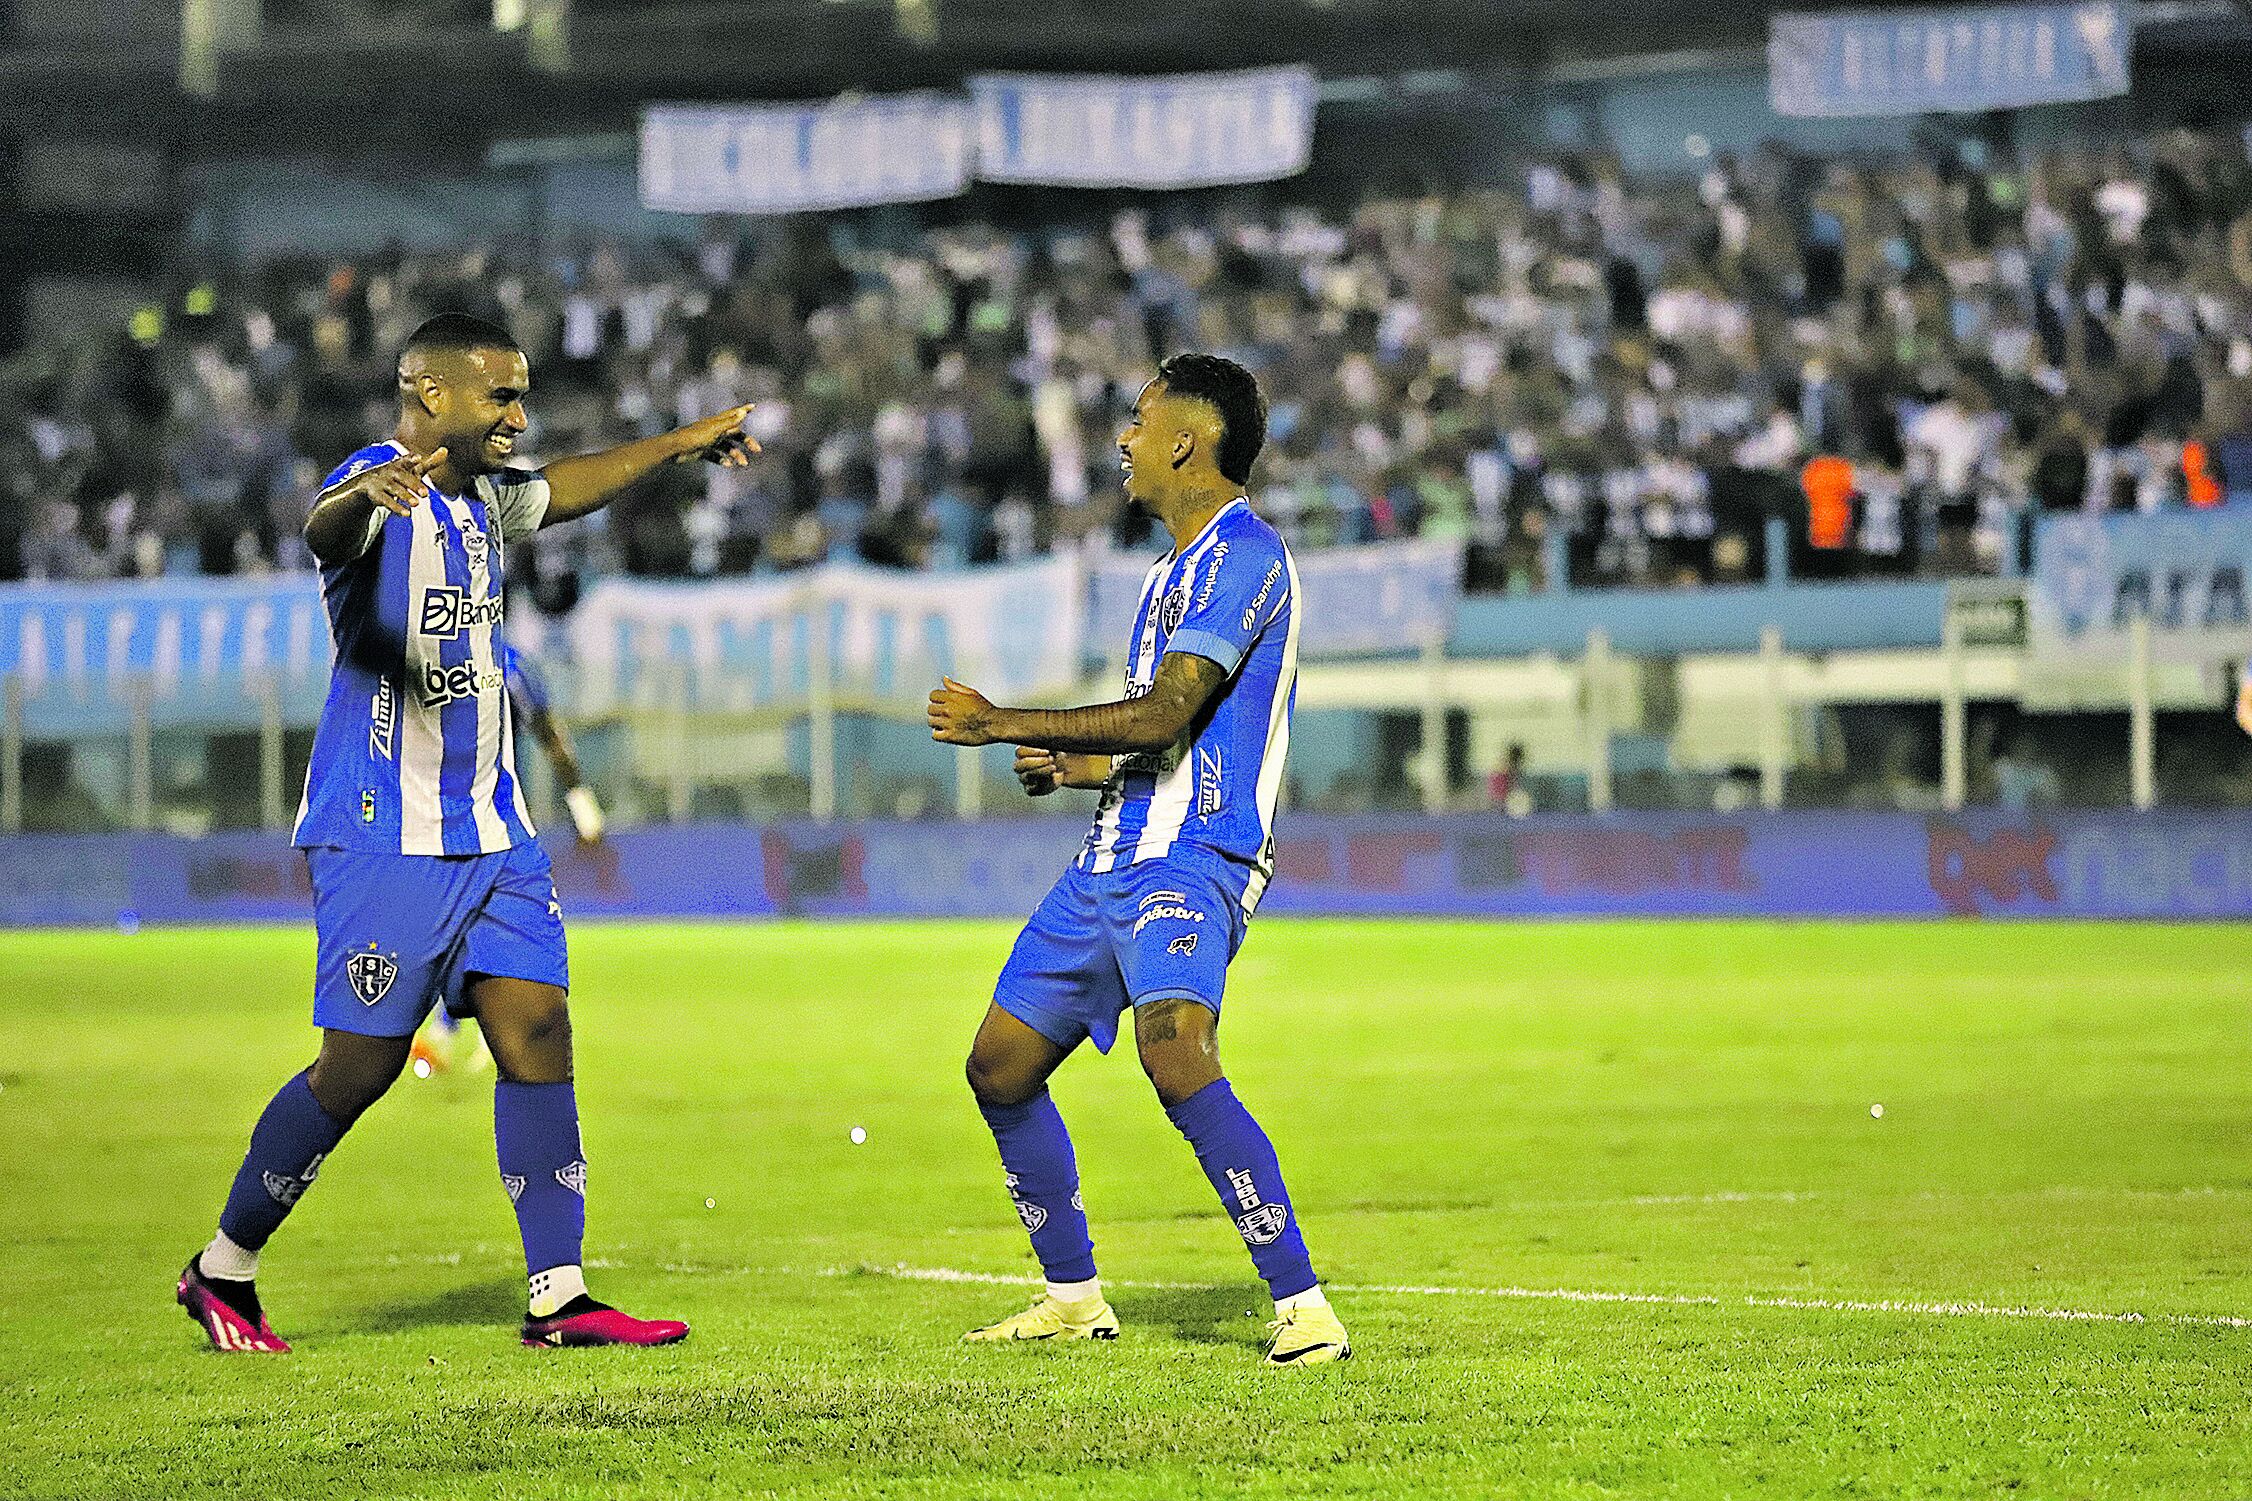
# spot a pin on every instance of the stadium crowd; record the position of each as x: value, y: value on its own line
x: 1901, y: 358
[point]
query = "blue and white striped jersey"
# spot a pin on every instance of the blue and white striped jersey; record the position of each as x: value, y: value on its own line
x: 416, y: 754
x: 1231, y: 595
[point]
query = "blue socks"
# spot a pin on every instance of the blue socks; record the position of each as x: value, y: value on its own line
x: 1240, y: 1161
x: 536, y: 1136
x: 286, y: 1148
x: 1044, y: 1181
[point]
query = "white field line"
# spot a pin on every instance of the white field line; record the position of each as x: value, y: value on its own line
x: 1950, y: 1310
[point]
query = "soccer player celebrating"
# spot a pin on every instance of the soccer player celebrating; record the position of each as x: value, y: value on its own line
x: 1156, y: 904
x: 428, y: 884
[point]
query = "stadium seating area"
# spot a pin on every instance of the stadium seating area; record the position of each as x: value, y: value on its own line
x: 1903, y: 358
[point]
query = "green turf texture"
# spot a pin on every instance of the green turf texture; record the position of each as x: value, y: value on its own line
x: 1679, y: 1109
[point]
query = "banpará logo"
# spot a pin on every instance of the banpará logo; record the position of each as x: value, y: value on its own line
x: 1266, y: 587
x: 383, y: 717
x: 1212, y: 579
x: 443, y: 685
x: 447, y: 612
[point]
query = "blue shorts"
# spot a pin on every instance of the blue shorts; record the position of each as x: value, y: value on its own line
x: 399, y: 933
x: 1098, y: 943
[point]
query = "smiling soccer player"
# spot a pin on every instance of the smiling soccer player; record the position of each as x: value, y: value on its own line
x: 1156, y: 905
x: 429, y: 885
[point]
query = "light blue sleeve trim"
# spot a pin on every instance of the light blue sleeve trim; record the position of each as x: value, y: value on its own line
x: 1206, y: 644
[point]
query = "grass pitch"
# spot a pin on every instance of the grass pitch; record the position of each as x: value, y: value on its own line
x: 1681, y: 1113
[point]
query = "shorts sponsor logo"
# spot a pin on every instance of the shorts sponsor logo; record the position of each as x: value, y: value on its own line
x: 447, y: 611
x: 1183, y: 945
x: 440, y: 686
x: 514, y: 1185
x: 572, y: 1175
x: 285, y: 1190
x: 1163, y: 906
x: 371, y: 974
x: 1251, y: 616
x: 1263, y: 1226
x: 367, y: 805
x: 383, y: 719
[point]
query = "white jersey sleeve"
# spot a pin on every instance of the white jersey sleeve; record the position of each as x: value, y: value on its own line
x: 517, y: 499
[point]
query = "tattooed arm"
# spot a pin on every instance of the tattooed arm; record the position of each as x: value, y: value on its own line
x: 1185, y: 684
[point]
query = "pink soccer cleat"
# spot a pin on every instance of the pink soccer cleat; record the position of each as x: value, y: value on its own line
x: 232, y: 1331
x: 583, y: 1322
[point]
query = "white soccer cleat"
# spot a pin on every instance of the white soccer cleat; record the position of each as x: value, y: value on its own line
x: 1051, y: 1319
x: 1307, y: 1336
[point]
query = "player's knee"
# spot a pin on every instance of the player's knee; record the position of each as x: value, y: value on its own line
x: 1179, y: 1047
x: 995, y: 1083
x: 349, y: 1077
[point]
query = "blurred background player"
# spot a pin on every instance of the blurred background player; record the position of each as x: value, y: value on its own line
x: 429, y: 884
x: 436, y: 1045
x: 1155, y: 906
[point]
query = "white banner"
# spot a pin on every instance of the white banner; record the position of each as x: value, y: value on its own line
x: 788, y: 158
x: 875, y: 636
x: 1188, y: 130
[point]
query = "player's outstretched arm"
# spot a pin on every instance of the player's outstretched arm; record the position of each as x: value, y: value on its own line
x: 340, y: 525
x: 585, y: 483
x: 1185, y: 684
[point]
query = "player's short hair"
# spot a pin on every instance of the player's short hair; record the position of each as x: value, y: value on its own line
x: 460, y: 333
x: 1234, y: 394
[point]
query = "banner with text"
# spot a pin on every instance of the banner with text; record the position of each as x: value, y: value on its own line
x: 1184, y: 131
x: 2184, y: 571
x: 1908, y: 62
x: 789, y: 158
x: 1385, y: 597
x: 881, y: 636
x: 2181, y: 865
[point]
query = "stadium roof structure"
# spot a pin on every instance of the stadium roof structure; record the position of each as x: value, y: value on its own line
x: 283, y: 70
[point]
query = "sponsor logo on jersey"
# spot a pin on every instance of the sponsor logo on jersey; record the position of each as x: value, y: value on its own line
x: 1212, y: 579
x: 447, y: 611
x: 444, y: 685
x: 371, y: 974
x: 572, y: 1175
x: 1266, y: 587
x: 285, y: 1190
x: 367, y: 805
x: 1208, y: 769
x: 383, y: 718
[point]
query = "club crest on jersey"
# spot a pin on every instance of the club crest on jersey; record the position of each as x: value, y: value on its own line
x: 447, y: 611
x: 371, y: 974
x: 1263, y: 1226
x: 478, y: 548
x: 1176, y: 606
